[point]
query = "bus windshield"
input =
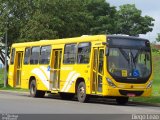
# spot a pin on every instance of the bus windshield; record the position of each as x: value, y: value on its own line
x: 129, y: 63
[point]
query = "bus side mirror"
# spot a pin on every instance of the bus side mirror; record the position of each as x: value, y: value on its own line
x: 107, y: 51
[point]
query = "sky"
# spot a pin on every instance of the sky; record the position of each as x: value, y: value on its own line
x: 148, y: 7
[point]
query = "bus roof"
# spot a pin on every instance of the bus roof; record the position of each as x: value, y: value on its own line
x: 126, y: 36
x: 61, y: 41
x: 86, y: 38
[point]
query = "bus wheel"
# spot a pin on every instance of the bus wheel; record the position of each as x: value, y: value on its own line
x: 66, y: 96
x: 33, y: 90
x: 81, y: 92
x: 122, y: 100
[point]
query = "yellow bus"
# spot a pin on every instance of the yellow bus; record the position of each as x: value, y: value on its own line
x: 112, y: 66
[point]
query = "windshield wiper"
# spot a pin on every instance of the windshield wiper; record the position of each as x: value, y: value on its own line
x: 134, y: 59
x: 124, y: 54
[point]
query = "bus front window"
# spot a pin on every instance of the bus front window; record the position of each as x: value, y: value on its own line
x: 129, y: 63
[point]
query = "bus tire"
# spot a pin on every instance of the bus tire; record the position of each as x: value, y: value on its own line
x: 81, y: 93
x: 66, y: 96
x: 33, y: 90
x: 122, y: 100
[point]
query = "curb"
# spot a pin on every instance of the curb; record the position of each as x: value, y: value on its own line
x: 15, y: 92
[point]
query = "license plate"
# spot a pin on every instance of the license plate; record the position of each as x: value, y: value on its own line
x: 131, y: 95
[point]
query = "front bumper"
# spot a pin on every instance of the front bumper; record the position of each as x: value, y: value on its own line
x: 128, y: 92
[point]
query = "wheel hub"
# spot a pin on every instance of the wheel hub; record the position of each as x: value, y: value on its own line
x: 33, y: 89
x: 82, y: 91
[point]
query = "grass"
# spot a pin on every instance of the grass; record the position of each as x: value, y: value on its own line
x: 12, y: 89
x: 8, y: 87
x: 1, y: 77
x: 152, y: 99
x: 156, y: 72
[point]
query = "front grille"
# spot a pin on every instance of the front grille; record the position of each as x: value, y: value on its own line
x: 126, y: 92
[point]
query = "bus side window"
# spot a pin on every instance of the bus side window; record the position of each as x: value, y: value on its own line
x: 45, y: 54
x: 83, y: 55
x: 70, y: 54
x: 34, y: 55
x: 12, y: 56
x: 27, y: 56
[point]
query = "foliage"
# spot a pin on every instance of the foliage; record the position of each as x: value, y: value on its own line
x: 57, y: 19
x: 155, y: 48
x: 30, y: 20
x: 13, y: 16
x: 131, y: 22
x: 103, y: 17
x: 158, y: 38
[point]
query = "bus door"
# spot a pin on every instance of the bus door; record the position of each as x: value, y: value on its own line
x: 97, y: 75
x: 55, y: 69
x: 18, y: 68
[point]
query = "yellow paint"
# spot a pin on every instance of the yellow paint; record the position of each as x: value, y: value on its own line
x: 70, y: 73
x: 124, y: 73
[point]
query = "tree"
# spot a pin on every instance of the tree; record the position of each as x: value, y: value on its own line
x: 57, y: 19
x: 158, y: 38
x: 131, y: 22
x: 13, y: 16
x: 30, y: 20
x: 69, y: 18
x: 103, y: 16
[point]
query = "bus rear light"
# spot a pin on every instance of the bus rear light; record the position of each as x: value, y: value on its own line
x: 110, y: 83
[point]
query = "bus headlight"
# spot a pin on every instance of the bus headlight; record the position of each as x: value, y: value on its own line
x: 110, y: 83
x: 149, y: 84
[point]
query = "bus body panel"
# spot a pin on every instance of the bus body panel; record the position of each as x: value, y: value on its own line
x: 41, y: 75
x: 11, y: 76
x: 67, y: 75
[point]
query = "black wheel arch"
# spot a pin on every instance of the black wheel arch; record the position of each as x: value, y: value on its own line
x: 37, y: 93
x: 30, y: 79
x: 80, y: 79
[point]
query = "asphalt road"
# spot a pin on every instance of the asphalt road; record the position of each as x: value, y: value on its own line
x: 20, y: 103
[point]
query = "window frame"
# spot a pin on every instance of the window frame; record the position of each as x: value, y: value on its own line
x: 12, y: 56
x: 41, y: 54
x: 90, y: 45
x: 32, y: 53
x: 28, y: 57
x: 75, y: 54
